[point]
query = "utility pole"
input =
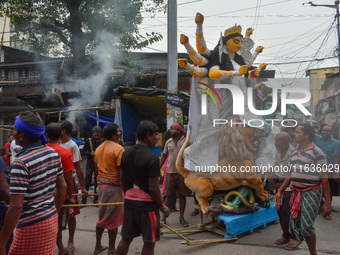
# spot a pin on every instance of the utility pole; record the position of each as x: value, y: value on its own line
x: 336, y: 7
x: 173, y: 113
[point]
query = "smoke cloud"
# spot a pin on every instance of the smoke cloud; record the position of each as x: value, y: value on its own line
x: 92, y: 89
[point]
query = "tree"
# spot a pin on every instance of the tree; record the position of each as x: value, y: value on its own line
x: 77, y: 24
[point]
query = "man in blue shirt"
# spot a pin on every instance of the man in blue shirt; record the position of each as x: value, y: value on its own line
x: 327, y: 144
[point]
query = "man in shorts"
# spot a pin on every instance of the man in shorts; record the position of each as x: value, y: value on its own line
x: 143, y: 199
x: 174, y: 181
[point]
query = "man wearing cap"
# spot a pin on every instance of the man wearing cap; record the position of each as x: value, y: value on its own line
x: 36, y: 172
x: 174, y: 181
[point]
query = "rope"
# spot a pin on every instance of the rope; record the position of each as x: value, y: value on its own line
x: 99, y: 204
x: 82, y: 194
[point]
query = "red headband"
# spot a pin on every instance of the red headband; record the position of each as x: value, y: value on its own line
x: 178, y: 126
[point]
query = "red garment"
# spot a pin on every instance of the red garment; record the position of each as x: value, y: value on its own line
x: 66, y: 157
x: 73, y: 211
x: 37, y: 239
x: 138, y: 195
x: 296, y: 203
x: 178, y: 126
x: 8, y: 157
x: 110, y: 216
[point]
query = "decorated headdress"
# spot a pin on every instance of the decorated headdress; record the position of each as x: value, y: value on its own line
x: 228, y: 34
x: 232, y: 32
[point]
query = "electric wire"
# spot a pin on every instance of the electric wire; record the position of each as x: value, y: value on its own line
x: 256, y: 18
x: 326, y: 36
x: 298, y: 47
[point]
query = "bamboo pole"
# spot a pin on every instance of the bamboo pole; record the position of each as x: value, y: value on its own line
x: 97, y: 118
x: 1, y: 82
x: 78, y: 109
x: 11, y: 130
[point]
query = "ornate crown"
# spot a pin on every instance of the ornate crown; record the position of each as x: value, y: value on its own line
x: 233, y: 30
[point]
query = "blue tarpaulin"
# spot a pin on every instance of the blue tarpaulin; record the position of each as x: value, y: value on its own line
x: 91, y: 118
x: 131, y: 119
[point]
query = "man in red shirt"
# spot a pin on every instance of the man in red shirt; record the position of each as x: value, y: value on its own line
x: 53, y: 134
x: 7, y: 148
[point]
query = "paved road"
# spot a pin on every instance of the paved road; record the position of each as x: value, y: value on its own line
x: 261, y: 241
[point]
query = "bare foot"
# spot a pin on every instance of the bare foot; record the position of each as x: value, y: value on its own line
x: 98, y: 250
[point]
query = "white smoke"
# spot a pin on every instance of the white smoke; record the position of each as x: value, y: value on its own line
x: 92, y: 89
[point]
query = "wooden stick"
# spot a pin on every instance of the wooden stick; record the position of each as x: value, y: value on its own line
x: 78, y: 109
x: 7, y: 129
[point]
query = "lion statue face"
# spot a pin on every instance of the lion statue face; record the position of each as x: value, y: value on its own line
x: 238, y: 142
x: 251, y: 137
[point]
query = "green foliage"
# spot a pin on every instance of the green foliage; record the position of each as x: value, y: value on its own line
x: 75, y: 23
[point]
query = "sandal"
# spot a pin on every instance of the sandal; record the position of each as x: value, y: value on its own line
x: 184, y: 223
x: 328, y: 217
x: 281, y: 241
x: 103, y: 248
x: 292, y: 245
x: 68, y: 252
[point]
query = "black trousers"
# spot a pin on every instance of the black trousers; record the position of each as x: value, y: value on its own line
x: 284, y: 214
x: 90, y: 169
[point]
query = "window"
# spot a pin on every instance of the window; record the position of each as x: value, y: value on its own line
x: 33, y: 74
x: 13, y: 74
x: 2, y: 75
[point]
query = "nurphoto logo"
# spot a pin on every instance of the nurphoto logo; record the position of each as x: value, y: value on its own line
x: 239, y: 103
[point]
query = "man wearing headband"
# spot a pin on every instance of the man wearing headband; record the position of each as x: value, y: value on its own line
x: 35, y: 174
x: 174, y: 181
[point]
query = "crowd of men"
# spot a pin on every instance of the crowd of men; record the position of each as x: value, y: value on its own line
x: 42, y: 180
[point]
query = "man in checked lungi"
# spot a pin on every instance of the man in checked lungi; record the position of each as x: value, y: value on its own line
x: 108, y: 157
x: 36, y: 172
x: 308, y: 178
